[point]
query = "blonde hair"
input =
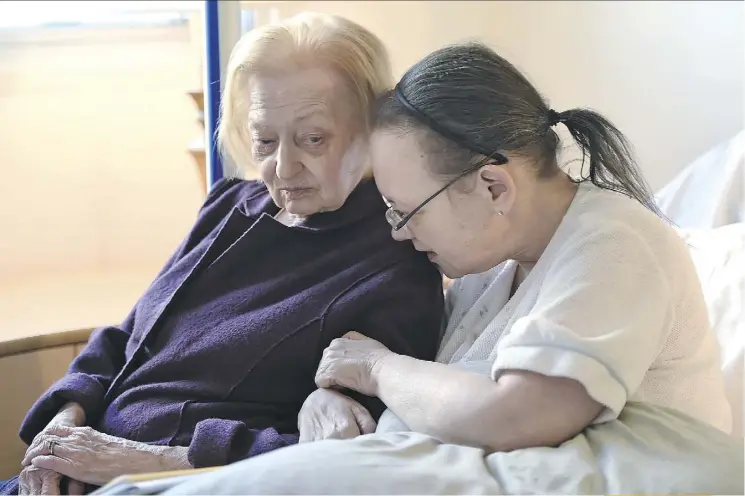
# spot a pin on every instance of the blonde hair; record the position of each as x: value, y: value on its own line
x: 351, y: 51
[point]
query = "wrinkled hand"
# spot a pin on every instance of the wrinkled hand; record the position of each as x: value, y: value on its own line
x: 35, y: 480
x: 328, y: 414
x: 86, y: 455
x: 350, y: 362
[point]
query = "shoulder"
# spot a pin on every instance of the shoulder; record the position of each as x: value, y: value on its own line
x: 603, y: 220
x: 224, y: 196
x: 610, y: 227
x: 229, y: 192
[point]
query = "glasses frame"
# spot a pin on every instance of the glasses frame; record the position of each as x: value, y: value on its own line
x: 398, y: 219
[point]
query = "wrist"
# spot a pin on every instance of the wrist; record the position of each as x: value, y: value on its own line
x: 173, y: 458
x: 377, y: 374
x: 71, y: 413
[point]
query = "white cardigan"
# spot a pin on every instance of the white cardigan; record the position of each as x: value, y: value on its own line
x: 614, y: 302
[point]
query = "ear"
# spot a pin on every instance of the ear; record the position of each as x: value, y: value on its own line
x: 499, y: 187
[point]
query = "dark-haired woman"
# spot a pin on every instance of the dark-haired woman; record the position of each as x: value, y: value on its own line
x: 573, y: 299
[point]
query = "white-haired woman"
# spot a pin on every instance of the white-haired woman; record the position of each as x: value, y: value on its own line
x: 216, y: 359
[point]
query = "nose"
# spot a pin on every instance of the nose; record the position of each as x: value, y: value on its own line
x: 287, y: 163
x: 402, y: 234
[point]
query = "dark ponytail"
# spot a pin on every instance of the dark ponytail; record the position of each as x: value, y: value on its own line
x: 467, y: 100
x: 611, y: 159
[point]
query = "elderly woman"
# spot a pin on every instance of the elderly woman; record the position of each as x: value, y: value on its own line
x: 573, y: 298
x: 218, y: 356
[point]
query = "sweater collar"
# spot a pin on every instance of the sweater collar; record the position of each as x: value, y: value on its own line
x: 364, y: 201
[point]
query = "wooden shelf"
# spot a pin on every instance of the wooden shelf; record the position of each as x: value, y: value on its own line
x: 196, y: 147
x: 198, y: 98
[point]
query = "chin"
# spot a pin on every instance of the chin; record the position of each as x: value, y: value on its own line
x: 448, y: 270
x: 301, y: 208
x: 303, y: 205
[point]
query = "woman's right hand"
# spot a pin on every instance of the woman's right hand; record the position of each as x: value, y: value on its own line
x: 328, y: 414
x: 33, y: 480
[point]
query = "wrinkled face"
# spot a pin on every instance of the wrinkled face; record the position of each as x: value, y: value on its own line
x: 306, y: 139
x: 461, y: 228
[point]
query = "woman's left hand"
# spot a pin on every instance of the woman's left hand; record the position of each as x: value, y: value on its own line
x: 351, y: 362
x: 86, y: 455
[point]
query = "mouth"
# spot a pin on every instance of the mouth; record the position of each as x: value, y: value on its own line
x: 295, y: 193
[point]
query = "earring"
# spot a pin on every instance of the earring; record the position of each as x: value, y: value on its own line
x: 500, y: 213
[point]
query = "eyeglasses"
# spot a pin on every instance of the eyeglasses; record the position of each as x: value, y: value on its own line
x: 398, y: 219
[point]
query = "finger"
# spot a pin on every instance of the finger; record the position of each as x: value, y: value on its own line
x: 23, y: 483
x: 364, y: 420
x: 33, y: 481
x: 60, y: 430
x: 343, y: 427
x: 324, y: 380
x: 50, y: 483
x: 56, y: 464
x: 354, y: 335
x: 306, y: 431
x: 34, y: 484
x: 75, y: 487
x: 40, y: 449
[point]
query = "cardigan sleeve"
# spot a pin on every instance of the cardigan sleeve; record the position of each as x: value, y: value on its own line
x: 218, y: 442
x: 94, y: 369
x: 402, y: 307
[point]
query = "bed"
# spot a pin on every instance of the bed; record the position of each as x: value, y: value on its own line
x: 706, y: 201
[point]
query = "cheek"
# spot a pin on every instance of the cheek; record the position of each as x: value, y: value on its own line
x: 445, y: 234
x: 267, y: 170
x: 327, y: 173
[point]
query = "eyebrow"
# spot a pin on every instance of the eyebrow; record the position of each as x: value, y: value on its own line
x: 312, y: 113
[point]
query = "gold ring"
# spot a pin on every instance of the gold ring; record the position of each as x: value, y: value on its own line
x: 51, y: 445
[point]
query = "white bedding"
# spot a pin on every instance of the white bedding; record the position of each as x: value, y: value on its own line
x: 647, y: 450
x: 710, y: 192
x: 707, y: 201
x: 719, y: 256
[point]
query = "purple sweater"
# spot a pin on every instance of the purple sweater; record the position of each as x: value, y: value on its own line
x: 221, y: 350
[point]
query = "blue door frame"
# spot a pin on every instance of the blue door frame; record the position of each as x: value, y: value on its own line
x: 212, y: 91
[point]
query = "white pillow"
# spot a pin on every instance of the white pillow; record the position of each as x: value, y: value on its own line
x: 710, y: 192
x: 719, y: 256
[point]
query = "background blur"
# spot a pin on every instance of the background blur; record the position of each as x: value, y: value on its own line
x: 100, y: 150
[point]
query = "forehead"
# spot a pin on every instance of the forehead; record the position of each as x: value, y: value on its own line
x: 292, y: 96
x: 399, y: 167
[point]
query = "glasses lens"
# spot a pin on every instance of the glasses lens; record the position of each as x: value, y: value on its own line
x: 391, y: 217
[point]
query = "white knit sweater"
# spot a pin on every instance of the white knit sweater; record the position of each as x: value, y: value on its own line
x: 614, y: 302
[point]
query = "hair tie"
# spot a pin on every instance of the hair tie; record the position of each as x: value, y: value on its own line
x: 444, y: 131
x: 554, y: 117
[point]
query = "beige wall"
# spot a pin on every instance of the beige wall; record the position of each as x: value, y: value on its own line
x: 94, y: 128
x: 669, y: 74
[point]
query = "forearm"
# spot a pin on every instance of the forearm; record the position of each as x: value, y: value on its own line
x: 172, y: 458
x: 519, y: 410
x: 433, y: 398
x: 71, y: 414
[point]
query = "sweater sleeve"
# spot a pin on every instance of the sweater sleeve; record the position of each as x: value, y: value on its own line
x: 94, y: 369
x: 602, y: 316
x: 402, y: 307
x: 218, y: 442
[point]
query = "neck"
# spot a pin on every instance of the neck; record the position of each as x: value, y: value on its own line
x: 540, y: 216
